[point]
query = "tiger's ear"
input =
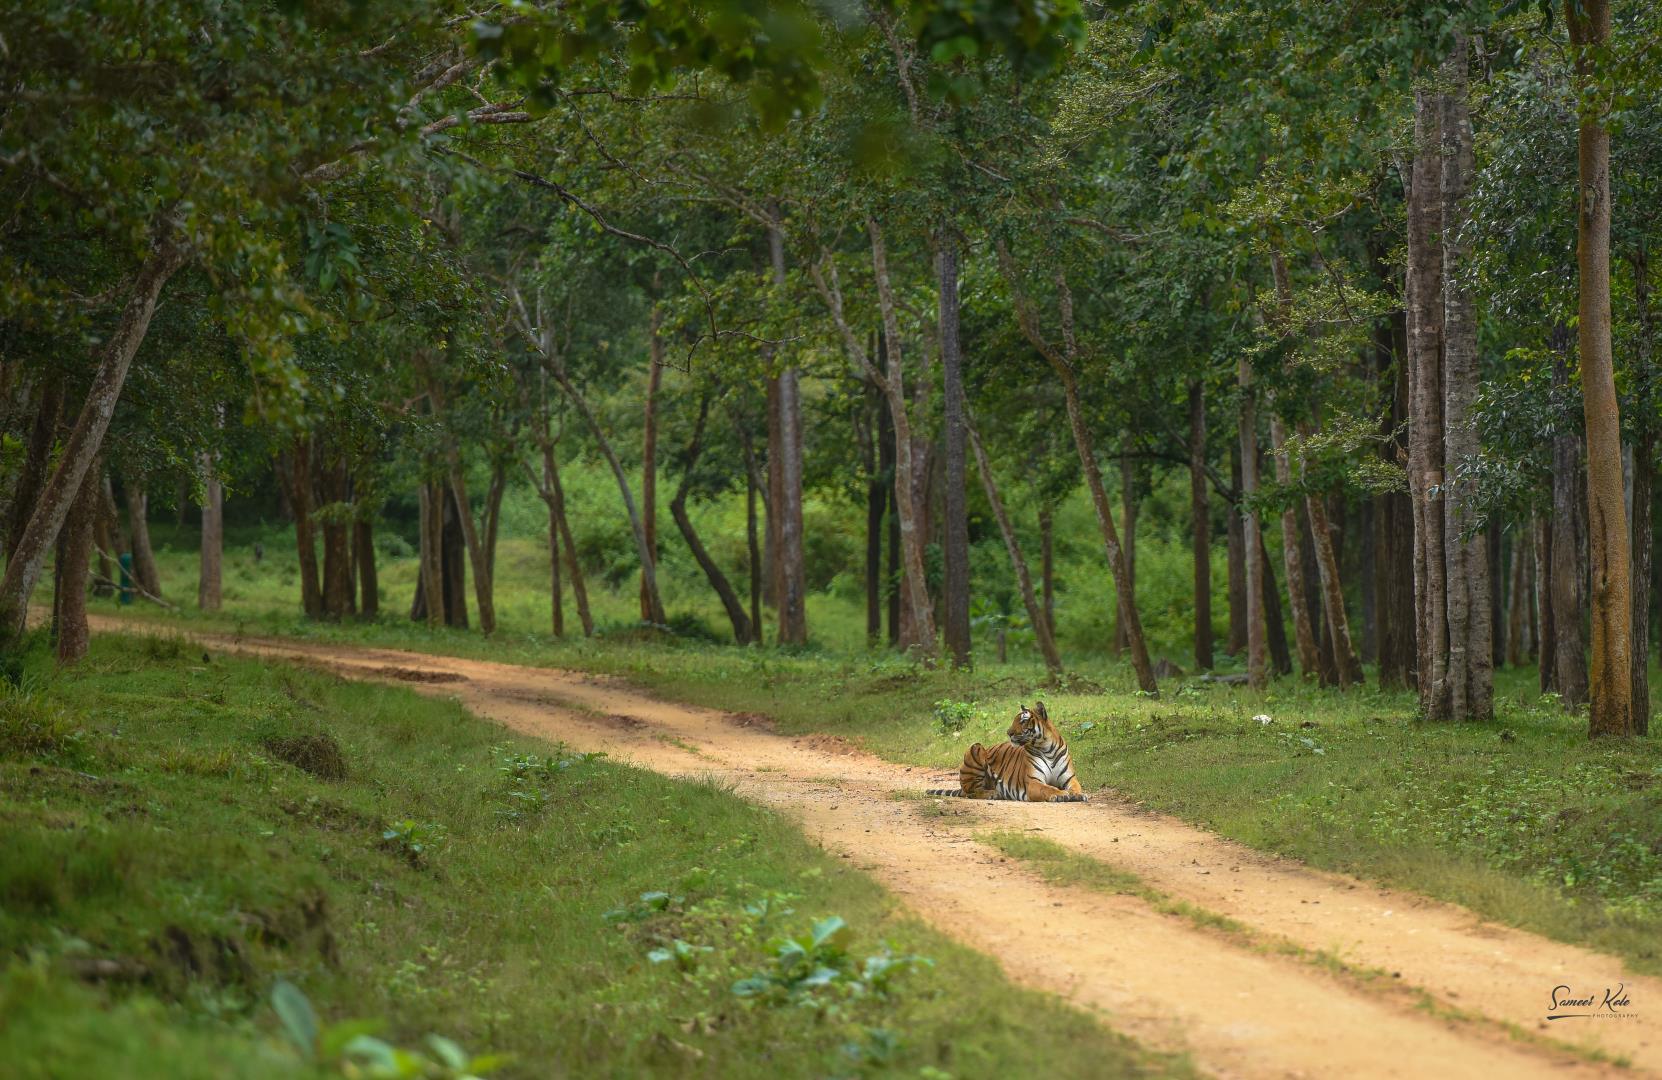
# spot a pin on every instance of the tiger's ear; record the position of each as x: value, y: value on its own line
x: 1039, y: 707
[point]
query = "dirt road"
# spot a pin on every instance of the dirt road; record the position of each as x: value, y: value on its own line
x: 1239, y: 1007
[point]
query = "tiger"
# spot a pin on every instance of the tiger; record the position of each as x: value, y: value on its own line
x: 1033, y: 766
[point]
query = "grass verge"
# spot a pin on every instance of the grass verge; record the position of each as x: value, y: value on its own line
x: 182, y: 833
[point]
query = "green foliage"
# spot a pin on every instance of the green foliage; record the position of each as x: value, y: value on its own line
x: 951, y: 716
x: 350, y: 1048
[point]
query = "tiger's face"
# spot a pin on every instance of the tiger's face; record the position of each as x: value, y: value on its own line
x: 1031, y: 727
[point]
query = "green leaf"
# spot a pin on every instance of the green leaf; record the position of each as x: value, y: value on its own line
x: 298, y: 1017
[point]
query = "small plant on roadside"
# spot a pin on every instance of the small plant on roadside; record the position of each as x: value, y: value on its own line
x: 649, y: 904
x: 684, y: 956
x: 817, y: 963
x: 350, y: 1049
x: 951, y: 717
x: 413, y: 840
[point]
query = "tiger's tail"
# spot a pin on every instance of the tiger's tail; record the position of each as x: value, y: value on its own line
x: 950, y: 793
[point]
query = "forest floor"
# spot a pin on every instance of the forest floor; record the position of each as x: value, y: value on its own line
x: 1251, y: 964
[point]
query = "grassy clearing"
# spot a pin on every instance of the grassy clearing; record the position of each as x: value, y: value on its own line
x: 181, y: 833
x: 1522, y: 819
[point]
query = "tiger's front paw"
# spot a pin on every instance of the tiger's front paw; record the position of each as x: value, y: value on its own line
x: 1071, y: 797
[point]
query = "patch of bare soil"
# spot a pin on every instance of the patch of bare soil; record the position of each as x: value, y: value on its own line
x: 1239, y: 1011
x: 418, y: 675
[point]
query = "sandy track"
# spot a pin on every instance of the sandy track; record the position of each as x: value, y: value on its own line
x: 1238, y: 1011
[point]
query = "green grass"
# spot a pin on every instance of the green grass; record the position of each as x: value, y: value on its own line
x: 1522, y: 819
x: 168, y: 857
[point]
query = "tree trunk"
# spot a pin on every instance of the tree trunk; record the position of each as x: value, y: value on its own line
x: 1568, y: 577
x: 145, y: 572
x: 1257, y: 674
x: 1519, y: 614
x: 918, y: 617
x: 337, y: 538
x: 742, y: 629
x: 27, y: 557
x: 1333, y: 595
x: 1128, y: 534
x: 1236, y: 536
x: 208, y: 582
x: 1309, y: 659
x: 452, y: 558
x: 1200, y: 518
x: 1611, y: 678
x: 1644, y: 476
x: 574, y: 569
x: 643, y: 550
x: 300, y: 497
x: 42, y: 434
x: 785, y: 461
x: 1546, y: 633
x: 753, y: 553
x: 429, y: 600
x: 369, y: 585
x: 1024, y: 580
x: 1467, y: 574
x: 649, y: 453
x: 1275, y: 629
x: 74, y: 561
x: 877, y: 465
x: 493, y: 513
x: 483, y: 589
x: 956, y: 583
x: 1424, y: 292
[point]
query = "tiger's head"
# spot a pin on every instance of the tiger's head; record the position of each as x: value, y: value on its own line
x: 1032, y: 728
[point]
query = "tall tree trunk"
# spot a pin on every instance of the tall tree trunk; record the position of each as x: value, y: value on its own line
x: 785, y: 462
x: 1424, y: 292
x: 484, y: 593
x: 1128, y: 533
x: 212, y: 561
x: 1467, y: 574
x: 145, y: 572
x: 753, y: 554
x: 877, y: 464
x: 429, y: 600
x: 1519, y: 614
x: 742, y: 631
x: 1569, y: 544
x: 43, y: 433
x: 574, y: 569
x: 493, y: 513
x: 917, y: 616
x: 1611, y: 678
x: 300, y: 497
x: 1275, y: 629
x: 27, y: 557
x: 1546, y: 633
x: 649, y: 451
x: 643, y: 550
x: 452, y: 558
x: 369, y: 585
x: 1333, y: 595
x: 75, y: 559
x: 1024, y: 580
x: 1257, y: 674
x: 1644, y: 476
x: 1236, y: 537
x: 337, y: 537
x: 956, y: 583
x: 1200, y: 523
x: 892, y: 576
x: 1309, y: 659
